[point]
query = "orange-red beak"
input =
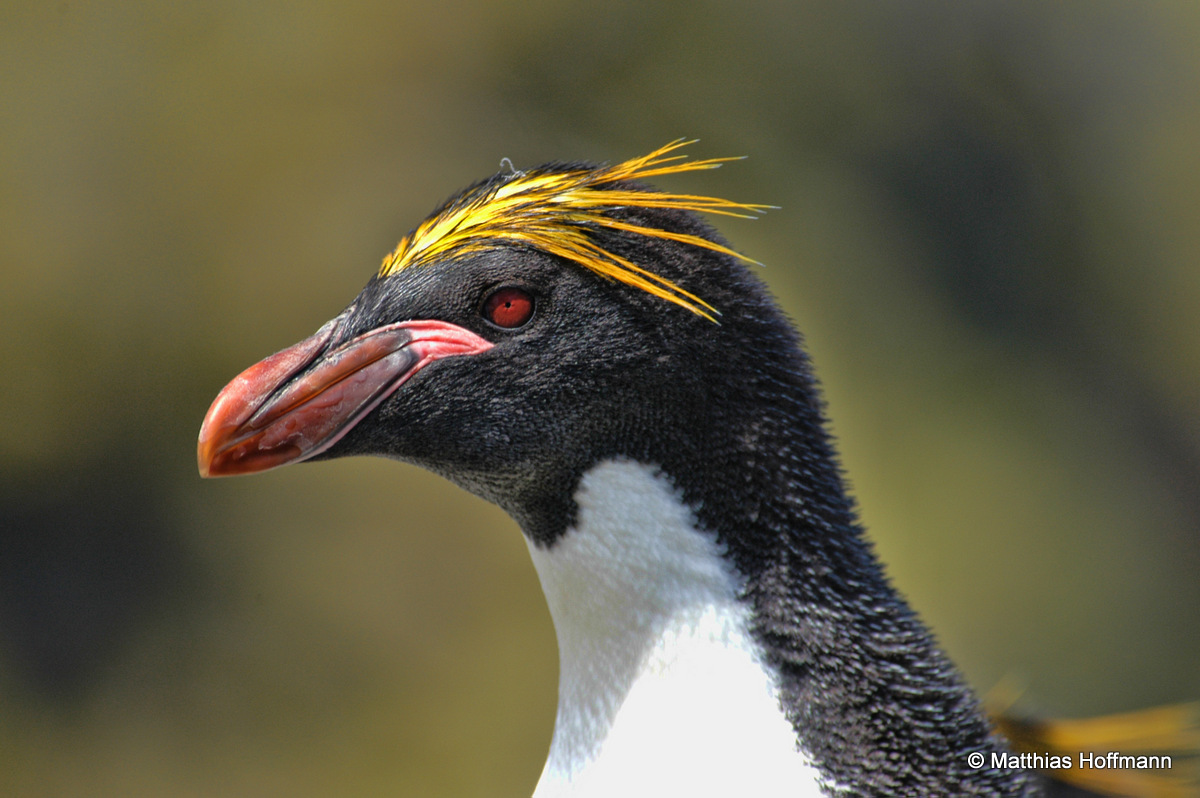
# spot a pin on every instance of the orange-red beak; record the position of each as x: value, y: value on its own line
x: 299, y: 402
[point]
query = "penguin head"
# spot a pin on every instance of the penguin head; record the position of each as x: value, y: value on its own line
x: 534, y: 323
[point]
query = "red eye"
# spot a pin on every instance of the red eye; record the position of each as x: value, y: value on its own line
x: 508, y: 307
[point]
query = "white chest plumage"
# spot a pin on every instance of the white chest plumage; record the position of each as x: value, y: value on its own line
x: 662, y: 690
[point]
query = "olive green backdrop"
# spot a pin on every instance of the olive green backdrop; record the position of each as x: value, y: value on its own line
x: 988, y: 227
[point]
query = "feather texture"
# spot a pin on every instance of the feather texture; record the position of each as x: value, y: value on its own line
x: 560, y: 210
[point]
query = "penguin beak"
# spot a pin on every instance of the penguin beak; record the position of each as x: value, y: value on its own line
x: 299, y: 402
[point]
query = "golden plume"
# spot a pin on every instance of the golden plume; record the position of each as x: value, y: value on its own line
x: 556, y: 212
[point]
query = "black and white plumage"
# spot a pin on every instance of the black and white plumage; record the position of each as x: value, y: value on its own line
x: 723, y: 625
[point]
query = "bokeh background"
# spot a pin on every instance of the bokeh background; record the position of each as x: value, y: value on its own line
x: 988, y: 227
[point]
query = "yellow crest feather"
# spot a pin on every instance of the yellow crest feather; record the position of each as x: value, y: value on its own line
x: 556, y: 212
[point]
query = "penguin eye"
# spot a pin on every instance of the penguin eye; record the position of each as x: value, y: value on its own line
x: 508, y: 307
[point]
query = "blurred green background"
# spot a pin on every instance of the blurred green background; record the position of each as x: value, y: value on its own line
x: 989, y: 229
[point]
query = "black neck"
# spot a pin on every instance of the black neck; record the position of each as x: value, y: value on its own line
x: 879, y: 707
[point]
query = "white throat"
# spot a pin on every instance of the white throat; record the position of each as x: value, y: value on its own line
x: 662, y: 690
